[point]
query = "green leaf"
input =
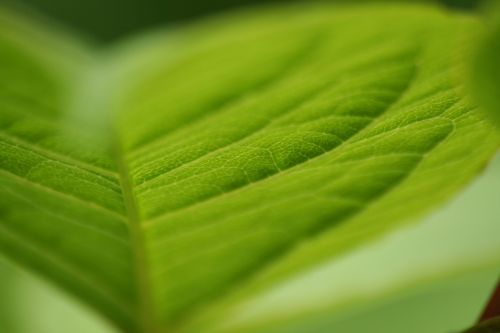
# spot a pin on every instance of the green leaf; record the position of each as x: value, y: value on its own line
x: 166, y: 178
x: 419, y: 278
x: 485, y: 71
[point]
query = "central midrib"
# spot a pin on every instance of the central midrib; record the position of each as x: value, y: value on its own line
x: 138, y: 248
x: 97, y: 76
x: 144, y: 319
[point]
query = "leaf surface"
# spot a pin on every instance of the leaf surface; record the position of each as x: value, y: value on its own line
x: 209, y: 163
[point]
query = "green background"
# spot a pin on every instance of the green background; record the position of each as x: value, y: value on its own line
x: 107, y: 20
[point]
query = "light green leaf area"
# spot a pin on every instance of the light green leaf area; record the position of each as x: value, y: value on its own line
x: 30, y: 305
x: 207, y: 164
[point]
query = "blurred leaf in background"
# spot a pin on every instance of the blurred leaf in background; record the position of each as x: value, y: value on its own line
x: 485, y: 81
x: 112, y: 19
x: 29, y: 304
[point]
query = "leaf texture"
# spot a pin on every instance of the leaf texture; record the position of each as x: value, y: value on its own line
x: 166, y: 174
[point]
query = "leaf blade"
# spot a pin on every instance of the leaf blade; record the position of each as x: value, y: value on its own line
x: 290, y: 151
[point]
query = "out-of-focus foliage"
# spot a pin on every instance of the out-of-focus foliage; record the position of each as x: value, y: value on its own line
x: 485, y: 81
x: 30, y: 305
x: 110, y: 19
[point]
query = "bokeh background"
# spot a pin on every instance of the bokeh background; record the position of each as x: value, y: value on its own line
x: 107, y: 20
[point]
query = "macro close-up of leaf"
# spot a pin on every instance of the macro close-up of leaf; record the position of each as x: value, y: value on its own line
x: 175, y: 181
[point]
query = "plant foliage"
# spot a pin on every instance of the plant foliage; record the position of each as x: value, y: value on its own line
x: 202, y: 166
